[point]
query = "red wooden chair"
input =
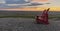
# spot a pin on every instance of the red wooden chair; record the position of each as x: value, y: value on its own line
x: 43, y: 18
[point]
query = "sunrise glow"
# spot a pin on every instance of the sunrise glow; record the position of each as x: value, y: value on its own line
x: 33, y: 9
x: 54, y: 6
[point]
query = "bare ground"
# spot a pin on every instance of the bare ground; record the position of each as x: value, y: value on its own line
x: 26, y: 24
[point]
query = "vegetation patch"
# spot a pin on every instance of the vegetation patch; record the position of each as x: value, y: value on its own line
x: 27, y: 16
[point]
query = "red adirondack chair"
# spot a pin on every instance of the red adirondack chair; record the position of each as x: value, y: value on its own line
x: 43, y: 18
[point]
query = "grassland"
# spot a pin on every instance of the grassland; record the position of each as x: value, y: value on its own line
x: 27, y: 16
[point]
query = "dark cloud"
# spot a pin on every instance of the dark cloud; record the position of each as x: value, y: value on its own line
x: 15, y: 1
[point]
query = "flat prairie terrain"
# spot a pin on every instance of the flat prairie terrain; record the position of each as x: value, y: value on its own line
x: 28, y: 24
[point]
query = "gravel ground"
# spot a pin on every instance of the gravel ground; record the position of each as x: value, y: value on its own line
x: 26, y: 24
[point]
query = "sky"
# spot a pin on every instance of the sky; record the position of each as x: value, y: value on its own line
x: 54, y: 4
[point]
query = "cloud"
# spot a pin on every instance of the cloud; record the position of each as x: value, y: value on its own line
x: 12, y: 4
x: 54, y: 2
x: 27, y: 0
x: 2, y: 1
x: 15, y: 2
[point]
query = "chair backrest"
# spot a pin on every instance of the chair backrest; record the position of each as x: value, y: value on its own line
x: 45, y: 14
